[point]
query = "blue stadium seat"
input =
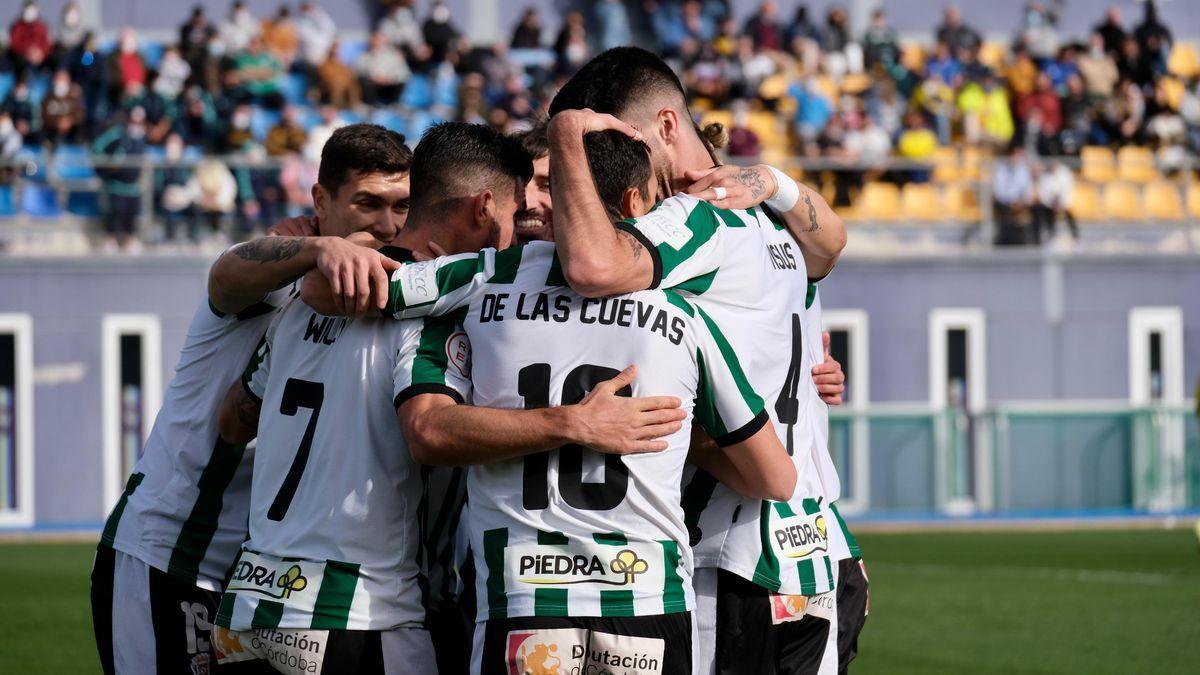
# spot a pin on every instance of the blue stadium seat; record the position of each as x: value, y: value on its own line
x: 309, y: 117
x: 418, y: 123
x: 156, y: 153
x: 84, y: 203
x: 38, y: 86
x: 72, y: 162
x: 152, y: 54
x: 39, y: 201
x: 294, y: 87
x: 35, y: 157
x: 6, y: 84
x: 390, y: 119
x: 350, y: 50
x: 351, y: 117
x: 418, y: 93
x: 7, y: 207
x: 261, y: 121
x: 445, y: 91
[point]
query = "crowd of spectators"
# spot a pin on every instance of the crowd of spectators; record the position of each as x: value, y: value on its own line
x: 268, y: 90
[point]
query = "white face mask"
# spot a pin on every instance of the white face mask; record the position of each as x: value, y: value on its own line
x: 6, y: 127
x: 441, y: 14
x: 174, y: 151
x: 30, y: 14
x: 241, y: 121
x: 128, y: 45
x: 71, y: 18
x: 61, y: 89
x: 137, y: 131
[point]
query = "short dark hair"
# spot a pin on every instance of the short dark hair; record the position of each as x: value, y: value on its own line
x: 535, y: 140
x: 615, y: 79
x: 456, y: 159
x: 361, y: 149
x: 618, y: 163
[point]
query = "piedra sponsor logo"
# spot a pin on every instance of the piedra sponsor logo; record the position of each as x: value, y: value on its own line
x: 251, y: 576
x: 801, y: 536
x: 560, y: 568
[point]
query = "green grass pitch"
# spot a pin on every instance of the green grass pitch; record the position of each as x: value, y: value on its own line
x: 1029, y: 602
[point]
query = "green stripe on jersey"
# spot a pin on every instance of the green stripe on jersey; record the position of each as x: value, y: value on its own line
x: 828, y: 572
x: 730, y: 218
x: 332, y: 608
x: 114, y: 519
x: 753, y: 400
x: 431, y: 361
x: 260, y: 353
x: 457, y: 274
x: 679, y: 301
x: 812, y: 295
x: 705, y: 408
x: 774, y: 218
x: 494, y: 543
x: 267, y: 614
x: 766, y: 572
x: 807, y: 570
x: 225, y: 610
x: 552, y: 538
x: 673, y: 596
x: 616, y: 603
x: 697, y: 285
x: 611, y: 538
x: 556, y: 276
x: 550, y: 602
x: 702, y: 223
x: 508, y: 262
x: 851, y: 542
x: 696, y: 495
x: 201, y: 525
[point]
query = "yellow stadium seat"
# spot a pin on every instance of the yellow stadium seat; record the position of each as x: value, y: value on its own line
x: 1193, y: 199
x: 856, y: 83
x: 961, y: 203
x: 972, y: 162
x: 1122, y: 202
x: 1085, y: 203
x: 992, y: 54
x: 1184, y: 60
x: 723, y: 116
x: 1136, y: 164
x: 920, y: 201
x: 827, y: 88
x: 879, y: 201
x: 765, y: 125
x: 1097, y: 164
x: 945, y: 165
x: 1174, y: 89
x: 774, y: 87
x: 1162, y: 200
x: 912, y: 56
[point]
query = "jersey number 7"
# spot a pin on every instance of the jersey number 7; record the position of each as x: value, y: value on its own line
x: 297, y: 394
x: 533, y: 383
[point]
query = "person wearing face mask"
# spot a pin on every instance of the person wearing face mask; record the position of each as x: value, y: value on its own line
x: 174, y: 195
x: 239, y: 29
x: 10, y: 139
x: 125, y: 66
x: 63, y: 111
x: 440, y: 34
x: 123, y: 145
x: 29, y: 40
x: 70, y: 33
x: 20, y: 110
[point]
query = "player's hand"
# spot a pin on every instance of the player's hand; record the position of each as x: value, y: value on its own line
x: 828, y: 376
x: 620, y: 425
x: 732, y: 187
x: 579, y: 122
x: 301, y: 226
x: 356, y: 273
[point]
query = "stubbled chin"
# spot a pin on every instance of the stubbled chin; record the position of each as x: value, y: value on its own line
x: 532, y: 233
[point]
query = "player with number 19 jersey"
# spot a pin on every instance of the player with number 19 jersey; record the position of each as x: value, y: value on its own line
x: 745, y: 270
x: 333, y: 522
x: 573, y: 532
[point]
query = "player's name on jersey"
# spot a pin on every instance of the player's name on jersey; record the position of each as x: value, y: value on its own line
x: 323, y: 330
x: 563, y: 307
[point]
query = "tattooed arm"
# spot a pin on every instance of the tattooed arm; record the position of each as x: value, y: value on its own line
x: 246, y: 273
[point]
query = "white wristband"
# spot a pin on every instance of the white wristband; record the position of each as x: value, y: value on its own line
x: 787, y: 193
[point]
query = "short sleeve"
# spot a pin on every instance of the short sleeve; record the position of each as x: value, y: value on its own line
x: 727, y: 407
x: 442, y: 285
x: 434, y: 358
x: 684, y: 238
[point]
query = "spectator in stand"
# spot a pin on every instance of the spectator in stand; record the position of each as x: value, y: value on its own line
x: 885, y: 107
x: 173, y: 195
x: 403, y: 31
x: 943, y: 65
x: 1078, y: 112
x: 63, y: 111
x: 125, y: 65
x: 916, y: 143
x: 198, y: 123
x: 935, y: 98
x: 124, y: 145
x: 571, y: 48
x: 841, y: 55
x: 1112, y: 30
x: 869, y: 145
x: 1153, y: 36
x: 1022, y: 73
x: 317, y: 33
x: 1167, y: 131
x: 238, y: 134
x: 10, y: 139
x: 1126, y: 112
x: 280, y: 36
x: 194, y: 37
x: 1012, y: 194
x: 881, y: 46
x: 1040, y: 113
x: 87, y: 66
x: 29, y: 42
x: 528, y: 33
x: 287, y: 137
x: 973, y: 70
x: 1039, y: 30
x: 1133, y: 65
x: 241, y: 27
x: 71, y: 32
x: 996, y: 115
x: 612, y: 21
x: 331, y: 121
x: 1055, y: 190
x: 813, y: 110
x: 19, y: 108
x: 216, y: 191
x: 337, y: 81
x: 1061, y: 69
x: 956, y: 34
x: 1098, y: 69
x: 382, y: 72
x: 764, y: 27
x: 441, y: 35
x: 698, y: 26
x: 173, y: 74
x: 743, y: 142
x: 256, y: 74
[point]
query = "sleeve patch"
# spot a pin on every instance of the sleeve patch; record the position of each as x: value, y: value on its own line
x: 418, y: 282
x: 660, y: 230
x: 458, y: 354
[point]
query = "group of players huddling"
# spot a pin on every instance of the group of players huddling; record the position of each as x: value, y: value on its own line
x: 600, y: 450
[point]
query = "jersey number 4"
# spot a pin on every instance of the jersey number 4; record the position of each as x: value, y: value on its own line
x: 297, y: 394
x: 787, y: 406
x: 533, y: 383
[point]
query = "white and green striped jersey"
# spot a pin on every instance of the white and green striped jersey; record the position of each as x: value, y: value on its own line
x: 573, y: 532
x: 747, y: 272
x: 184, y: 507
x: 842, y: 542
x: 334, y: 532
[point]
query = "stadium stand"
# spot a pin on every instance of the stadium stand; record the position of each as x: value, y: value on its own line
x: 827, y: 105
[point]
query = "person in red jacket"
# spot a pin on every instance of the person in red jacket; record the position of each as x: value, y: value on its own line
x: 29, y: 40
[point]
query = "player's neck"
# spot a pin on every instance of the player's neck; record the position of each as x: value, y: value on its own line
x: 416, y: 237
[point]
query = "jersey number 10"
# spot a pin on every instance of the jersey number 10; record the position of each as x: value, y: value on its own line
x: 533, y: 383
